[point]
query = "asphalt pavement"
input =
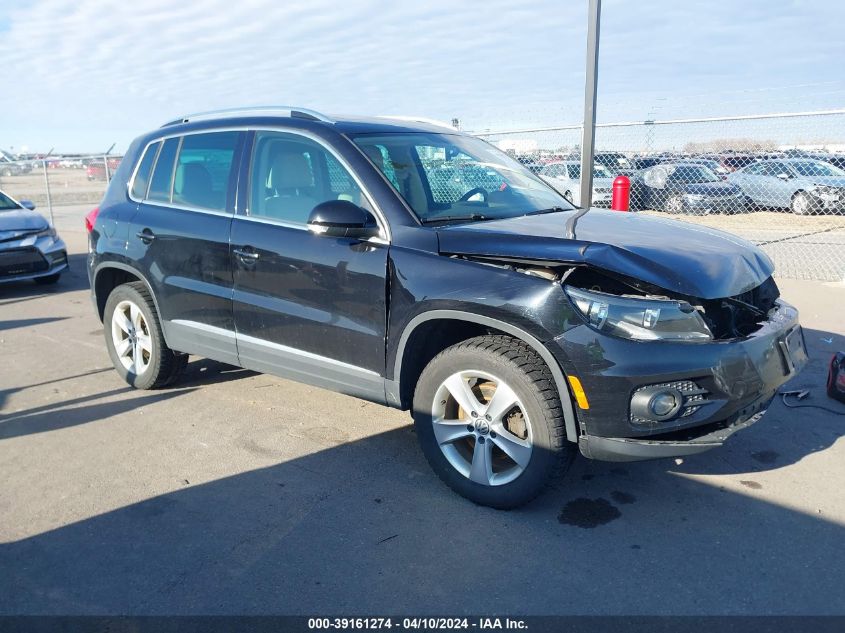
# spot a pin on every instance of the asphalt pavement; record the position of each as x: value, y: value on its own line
x: 239, y: 493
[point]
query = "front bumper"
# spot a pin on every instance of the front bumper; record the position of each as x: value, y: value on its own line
x: 828, y: 201
x: 740, y: 377
x: 31, y: 258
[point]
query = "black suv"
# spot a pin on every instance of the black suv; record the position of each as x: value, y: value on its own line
x: 329, y: 251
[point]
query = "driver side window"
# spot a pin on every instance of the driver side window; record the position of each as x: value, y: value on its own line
x: 290, y: 175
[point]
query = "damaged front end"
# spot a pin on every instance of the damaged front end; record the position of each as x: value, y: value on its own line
x: 634, y: 309
x: 665, y: 373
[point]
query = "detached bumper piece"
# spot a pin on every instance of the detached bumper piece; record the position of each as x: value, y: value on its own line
x: 675, y: 444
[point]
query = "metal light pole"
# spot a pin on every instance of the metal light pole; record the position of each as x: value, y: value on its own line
x: 588, y: 136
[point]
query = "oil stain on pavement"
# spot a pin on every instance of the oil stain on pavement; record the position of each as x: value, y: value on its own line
x: 588, y: 513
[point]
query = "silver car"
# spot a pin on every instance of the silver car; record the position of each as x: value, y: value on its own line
x: 803, y: 185
x: 565, y: 177
x: 29, y: 246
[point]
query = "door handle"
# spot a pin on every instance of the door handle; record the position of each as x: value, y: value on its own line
x: 146, y: 236
x: 247, y: 256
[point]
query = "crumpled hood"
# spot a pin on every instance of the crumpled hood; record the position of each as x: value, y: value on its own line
x: 676, y: 256
x: 19, y: 220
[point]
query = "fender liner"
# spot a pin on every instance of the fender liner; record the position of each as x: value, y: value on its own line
x: 533, y: 342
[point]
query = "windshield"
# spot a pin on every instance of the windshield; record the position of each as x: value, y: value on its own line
x: 693, y: 173
x: 457, y: 178
x: 6, y: 203
x: 816, y: 168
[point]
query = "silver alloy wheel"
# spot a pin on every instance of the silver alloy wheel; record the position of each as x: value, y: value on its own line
x: 800, y: 204
x: 675, y: 205
x: 131, y: 337
x: 482, y: 428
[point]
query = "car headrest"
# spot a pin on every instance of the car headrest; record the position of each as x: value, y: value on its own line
x: 290, y: 170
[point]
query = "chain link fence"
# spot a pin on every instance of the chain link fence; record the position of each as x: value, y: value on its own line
x: 777, y: 180
x: 58, y: 186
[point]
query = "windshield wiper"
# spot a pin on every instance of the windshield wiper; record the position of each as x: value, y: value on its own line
x: 549, y: 210
x: 475, y: 217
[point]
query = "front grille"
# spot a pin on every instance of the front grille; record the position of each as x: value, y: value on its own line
x: 22, y: 261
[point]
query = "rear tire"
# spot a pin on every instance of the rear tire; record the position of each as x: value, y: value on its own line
x: 504, y: 450
x: 135, y: 341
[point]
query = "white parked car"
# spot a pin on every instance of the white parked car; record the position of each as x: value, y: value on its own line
x: 565, y: 176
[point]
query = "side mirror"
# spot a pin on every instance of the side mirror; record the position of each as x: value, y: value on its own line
x: 28, y: 204
x: 784, y: 176
x: 341, y: 218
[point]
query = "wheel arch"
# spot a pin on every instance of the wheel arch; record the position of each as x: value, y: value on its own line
x: 403, y: 371
x: 109, y: 275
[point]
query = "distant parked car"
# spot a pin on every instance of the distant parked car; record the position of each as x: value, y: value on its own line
x: 615, y: 162
x: 711, y: 163
x: 837, y: 160
x: 96, y: 169
x: 29, y: 246
x: 638, y: 163
x: 565, y: 176
x: 11, y: 167
x: 802, y: 185
x: 685, y: 188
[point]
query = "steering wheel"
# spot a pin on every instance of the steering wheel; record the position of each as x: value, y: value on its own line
x: 469, y: 194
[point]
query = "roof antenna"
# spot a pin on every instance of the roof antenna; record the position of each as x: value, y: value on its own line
x: 588, y: 136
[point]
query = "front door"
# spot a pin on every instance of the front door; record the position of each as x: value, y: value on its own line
x: 307, y: 307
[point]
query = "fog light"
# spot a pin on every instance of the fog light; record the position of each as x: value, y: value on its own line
x: 663, y: 403
x: 656, y: 403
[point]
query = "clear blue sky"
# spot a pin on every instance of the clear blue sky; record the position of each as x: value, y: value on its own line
x: 79, y: 75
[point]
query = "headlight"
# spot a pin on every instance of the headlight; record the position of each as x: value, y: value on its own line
x: 48, y: 232
x: 640, y: 319
x: 695, y: 197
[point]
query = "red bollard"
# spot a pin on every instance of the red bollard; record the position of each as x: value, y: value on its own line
x: 621, y: 200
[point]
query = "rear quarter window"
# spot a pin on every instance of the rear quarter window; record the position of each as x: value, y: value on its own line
x: 162, y: 182
x: 145, y: 168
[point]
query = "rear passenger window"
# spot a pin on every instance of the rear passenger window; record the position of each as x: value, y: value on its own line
x: 162, y: 182
x: 203, y: 170
x: 142, y: 176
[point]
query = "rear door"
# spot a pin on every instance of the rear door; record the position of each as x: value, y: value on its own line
x: 752, y: 182
x: 307, y: 307
x: 180, y: 237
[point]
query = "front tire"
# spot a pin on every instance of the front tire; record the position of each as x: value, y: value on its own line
x: 135, y: 341
x: 801, y: 204
x: 490, y: 422
x: 675, y: 205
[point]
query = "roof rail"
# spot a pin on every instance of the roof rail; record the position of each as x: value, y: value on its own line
x: 418, y: 119
x: 277, y: 110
